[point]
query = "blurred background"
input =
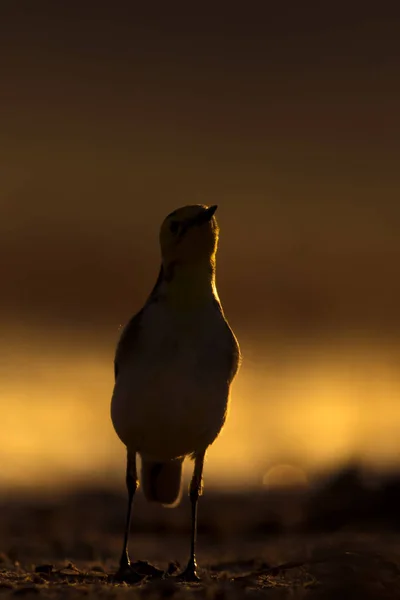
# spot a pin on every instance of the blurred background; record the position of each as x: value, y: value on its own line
x: 112, y: 116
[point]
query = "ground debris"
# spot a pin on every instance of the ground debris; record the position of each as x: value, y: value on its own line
x: 318, y: 569
x: 47, y: 569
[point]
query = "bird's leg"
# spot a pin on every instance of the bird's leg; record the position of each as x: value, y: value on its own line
x: 125, y: 571
x: 131, y: 485
x: 190, y: 573
x: 133, y: 572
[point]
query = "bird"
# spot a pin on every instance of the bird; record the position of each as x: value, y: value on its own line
x: 174, y: 365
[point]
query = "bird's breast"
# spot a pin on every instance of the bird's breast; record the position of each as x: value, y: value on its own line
x: 172, y: 395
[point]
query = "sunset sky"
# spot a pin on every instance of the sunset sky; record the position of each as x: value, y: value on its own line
x: 287, y: 117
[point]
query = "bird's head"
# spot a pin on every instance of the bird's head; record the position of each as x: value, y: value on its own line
x: 189, y: 235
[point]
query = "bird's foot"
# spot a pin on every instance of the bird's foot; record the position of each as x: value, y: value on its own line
x: 190, y: 573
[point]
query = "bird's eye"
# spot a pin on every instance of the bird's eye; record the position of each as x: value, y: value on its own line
x: 174, y: 226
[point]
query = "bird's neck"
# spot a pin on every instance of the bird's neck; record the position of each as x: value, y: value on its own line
x: 189, y: 283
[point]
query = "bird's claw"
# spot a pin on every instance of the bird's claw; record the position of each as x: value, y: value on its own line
x: 189, y: 575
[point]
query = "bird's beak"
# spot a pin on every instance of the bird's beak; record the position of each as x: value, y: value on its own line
x: 210, y: 212
x: 205, y: 216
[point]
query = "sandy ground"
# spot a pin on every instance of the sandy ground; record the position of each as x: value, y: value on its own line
x: 56, y: 548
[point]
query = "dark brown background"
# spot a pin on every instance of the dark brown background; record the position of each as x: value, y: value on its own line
x: 287, y: 117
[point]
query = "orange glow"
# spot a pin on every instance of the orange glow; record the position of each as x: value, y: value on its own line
x: 285, y: 476
x: 315, y: 412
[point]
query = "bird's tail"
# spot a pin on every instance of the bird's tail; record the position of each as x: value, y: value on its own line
x: 161, y: 481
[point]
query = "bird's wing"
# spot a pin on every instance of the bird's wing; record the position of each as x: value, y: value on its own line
x: 234, y: 348
x: 127, y: 340
x: 129, y: 336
